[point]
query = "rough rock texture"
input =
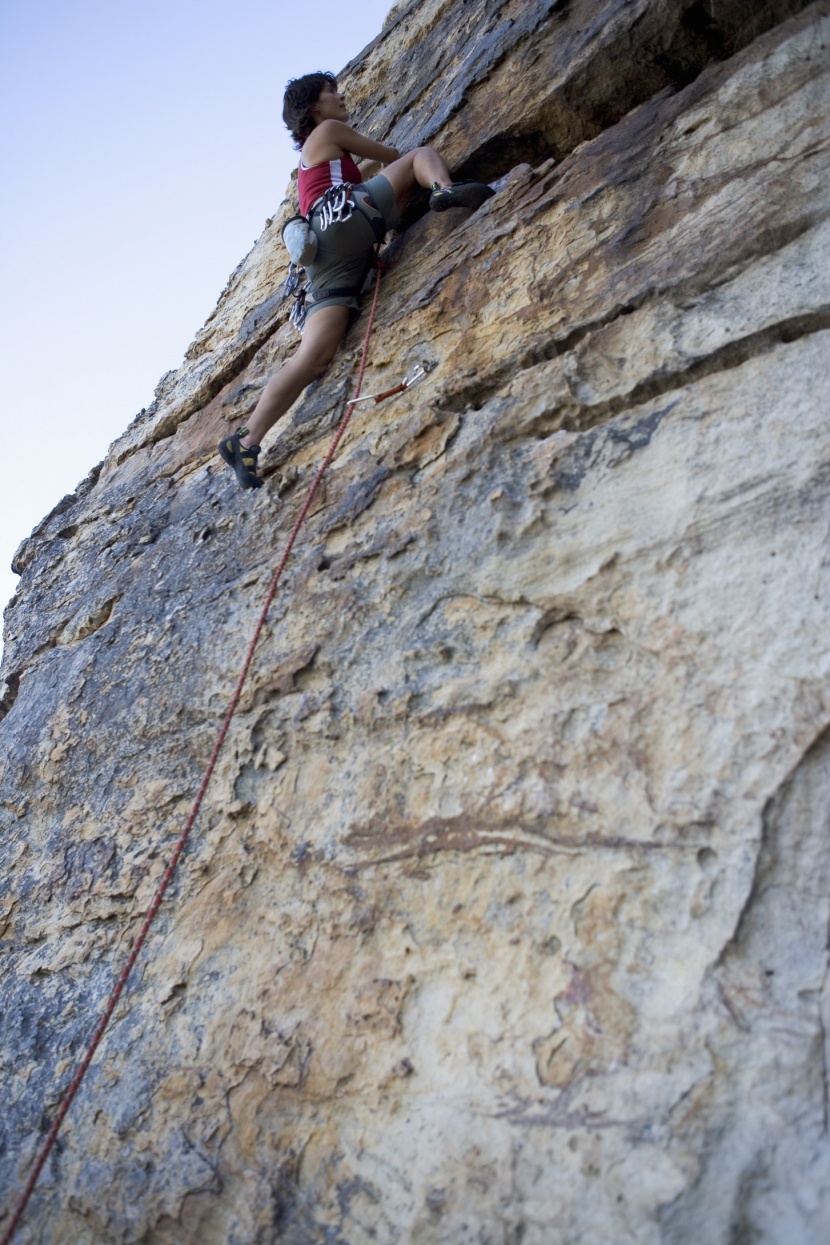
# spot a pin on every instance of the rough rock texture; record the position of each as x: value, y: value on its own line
x: 506, y: 917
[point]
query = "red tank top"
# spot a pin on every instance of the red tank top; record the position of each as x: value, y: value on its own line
x: 313, y: 182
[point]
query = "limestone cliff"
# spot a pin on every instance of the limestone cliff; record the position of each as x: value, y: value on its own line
x: 506, y: 917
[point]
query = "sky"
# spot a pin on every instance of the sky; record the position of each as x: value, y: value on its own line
x: 142, y: 149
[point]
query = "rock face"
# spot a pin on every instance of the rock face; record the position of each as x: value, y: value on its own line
x: 505, y: 919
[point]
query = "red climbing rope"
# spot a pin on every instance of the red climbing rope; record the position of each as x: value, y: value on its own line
x: 169, y: 872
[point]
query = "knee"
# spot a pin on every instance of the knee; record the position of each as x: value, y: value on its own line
x: 319, y: 367
x: 315, y: 363
x: 323, y: 357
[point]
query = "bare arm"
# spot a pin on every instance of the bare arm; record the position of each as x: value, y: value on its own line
x: 330, y: 139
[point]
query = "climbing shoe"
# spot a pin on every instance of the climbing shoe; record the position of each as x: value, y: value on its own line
x: 460, y: 194
x: 242, y: 458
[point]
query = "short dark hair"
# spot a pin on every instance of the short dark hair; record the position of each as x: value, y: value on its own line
x: 301, y: 94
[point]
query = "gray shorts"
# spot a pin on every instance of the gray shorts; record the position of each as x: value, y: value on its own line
x: 344, y: 250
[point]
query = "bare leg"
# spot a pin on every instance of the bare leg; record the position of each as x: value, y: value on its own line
x: 321, y: 337
x: 421, y: 167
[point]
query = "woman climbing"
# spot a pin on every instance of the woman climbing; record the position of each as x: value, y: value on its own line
x: 348, y: 217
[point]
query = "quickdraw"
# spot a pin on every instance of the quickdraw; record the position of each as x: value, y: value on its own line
x: 335, y: 206
x: 292, y: 286
x: 407, y: 382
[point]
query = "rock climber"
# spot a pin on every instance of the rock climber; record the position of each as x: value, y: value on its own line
x: 348, y: 217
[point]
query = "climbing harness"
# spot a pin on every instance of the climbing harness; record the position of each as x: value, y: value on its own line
x: 301, y: 308
x: 335, y: 206
x: 178, y: 849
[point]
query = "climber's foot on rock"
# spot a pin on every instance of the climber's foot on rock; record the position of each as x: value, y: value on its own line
x: 243, y: 459
x: 460, y: 194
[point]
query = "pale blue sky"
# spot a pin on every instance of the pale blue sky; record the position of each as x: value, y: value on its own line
x: 142, y: 149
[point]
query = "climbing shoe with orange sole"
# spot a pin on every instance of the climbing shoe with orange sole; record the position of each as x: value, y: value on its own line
x: 243, y: 459
x: 460, y: 194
